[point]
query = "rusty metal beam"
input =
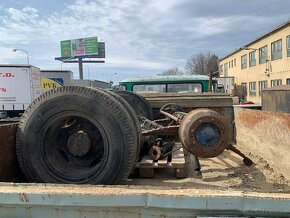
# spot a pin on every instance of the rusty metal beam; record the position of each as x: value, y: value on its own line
x: 168, y: 130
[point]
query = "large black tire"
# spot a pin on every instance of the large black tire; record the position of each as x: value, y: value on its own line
x: 138, y: 103
x: 204, y: 133
x: 76, y: 135
x: 136, y: 122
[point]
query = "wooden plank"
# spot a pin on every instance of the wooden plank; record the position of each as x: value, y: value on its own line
x: 181, y: 172
x: 178, y: 162
x: 178, y: 159
x: 147, y: 166
x: 163, y: 162
x: 146, y: 172
x: 146, y: 161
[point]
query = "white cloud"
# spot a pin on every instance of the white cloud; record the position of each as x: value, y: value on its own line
x: 125, y: 62
x: 10, y: 56
x: 138, y: 34
x: 26, y: 14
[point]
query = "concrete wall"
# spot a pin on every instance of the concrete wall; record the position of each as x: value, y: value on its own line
x: 277, y: 69
x: 266, y: 134
x: 90, y: 83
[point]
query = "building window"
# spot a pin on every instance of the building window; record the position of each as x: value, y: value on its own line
x: 221, y: 69
x: 288, y: 81
x: 263, y: 54
x: 288, y: 46
x: 252, y: 87
x: 155, y: 88
x: 235, y: 62
x: 244, y: 86
x: 252, y: 59
x: 187, y: 87
x: 244, y: 61
x: 262, y: 85
x: 277, y: 50
x: 276, y: 82
x: 226, y: 69
x: 244, y: 90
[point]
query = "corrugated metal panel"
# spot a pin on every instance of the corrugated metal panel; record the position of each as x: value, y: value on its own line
x: 276, y: 99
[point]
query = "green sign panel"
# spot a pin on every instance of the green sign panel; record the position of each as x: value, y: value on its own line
x: 65, y: 48
x: 91, y: 46
x: 79, y: 47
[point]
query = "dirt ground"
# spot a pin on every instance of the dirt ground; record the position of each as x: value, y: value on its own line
x: 226, y: 171
x: 225, y: 175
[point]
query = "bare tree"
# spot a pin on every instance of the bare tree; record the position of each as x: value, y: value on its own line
x: 202, y: 63
x: 172, y: 71
x: 213, y: 64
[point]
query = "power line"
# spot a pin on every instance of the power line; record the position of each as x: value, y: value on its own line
x: 241, y: 15
x: 215, y: 24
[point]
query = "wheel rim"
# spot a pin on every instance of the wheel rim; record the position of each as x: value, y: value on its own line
x: 208, y: 135
x: 74, y: 147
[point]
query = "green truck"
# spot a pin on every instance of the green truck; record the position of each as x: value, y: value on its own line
x: 170, y: 84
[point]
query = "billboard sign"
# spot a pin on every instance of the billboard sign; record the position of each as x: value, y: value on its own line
x: 79, y: 47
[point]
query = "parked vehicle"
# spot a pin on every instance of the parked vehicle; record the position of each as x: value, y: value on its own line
x: 169, y: 84
x: 51, y: 79
x: 19, y: 86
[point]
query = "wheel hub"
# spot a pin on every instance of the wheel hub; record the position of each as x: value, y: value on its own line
x: 207, y: 134
x: 79, y: 144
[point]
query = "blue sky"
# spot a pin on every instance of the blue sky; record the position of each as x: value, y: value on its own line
x: 142, y: 37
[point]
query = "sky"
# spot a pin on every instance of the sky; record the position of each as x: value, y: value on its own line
x: 143, y: 37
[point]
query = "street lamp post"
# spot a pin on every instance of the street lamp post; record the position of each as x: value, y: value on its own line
x: 17, y: 49
x: 65, y: 61
x: 112, y: 76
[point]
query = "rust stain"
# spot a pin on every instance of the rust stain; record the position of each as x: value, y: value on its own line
x: 285, y: 119
x: 252, y: 118
x: 249, y: 118
x: 9, y: 168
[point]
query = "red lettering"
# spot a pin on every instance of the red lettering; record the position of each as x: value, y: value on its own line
x: 3, y: 89
x: 8, y: 74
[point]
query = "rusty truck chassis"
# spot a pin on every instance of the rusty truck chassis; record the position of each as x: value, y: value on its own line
x: 170, y: 126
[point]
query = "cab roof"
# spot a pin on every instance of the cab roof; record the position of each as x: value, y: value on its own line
x: 166, y: 78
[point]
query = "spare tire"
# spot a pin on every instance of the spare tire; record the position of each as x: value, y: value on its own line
x: 140, y: 105
x: 76, y: 135
x: 136, y: 122
x: 204, y: 133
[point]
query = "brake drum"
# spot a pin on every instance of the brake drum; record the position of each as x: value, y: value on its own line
x: 204, y: 133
